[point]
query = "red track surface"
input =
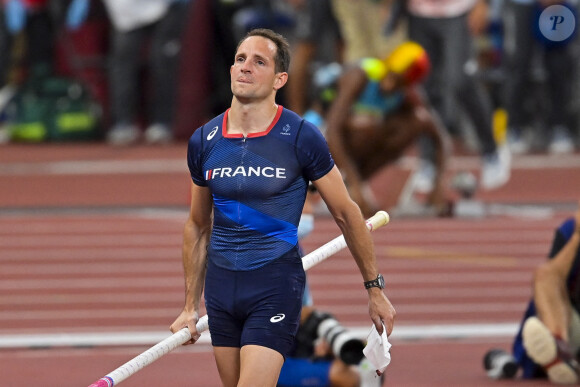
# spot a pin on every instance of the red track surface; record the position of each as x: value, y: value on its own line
x: 80, y: 253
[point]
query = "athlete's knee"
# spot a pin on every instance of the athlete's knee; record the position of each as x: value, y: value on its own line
x: 546, y: 273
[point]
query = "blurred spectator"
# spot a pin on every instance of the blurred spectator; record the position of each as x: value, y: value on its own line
x: 362, y: 23
x: 223, y: 48
x: 135, y: 23
x: 446, y: 31
x: 317, y: 42
x: 276, y: 15
x: 377, y: 115
x: 34, y: 19
x: 523, y: 44
x: 29, y: 26
x: 38, y: 100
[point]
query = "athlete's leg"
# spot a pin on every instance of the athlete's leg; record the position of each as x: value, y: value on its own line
x: 228, y: 364
x: 272, y: 317
x: 260, y: 366
x: 225, y: 330
x: 551, y: 295
x: 546, y: 337
x: 467, y: 89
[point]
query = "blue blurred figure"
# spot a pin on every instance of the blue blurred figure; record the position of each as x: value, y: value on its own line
x: 78, y: 12
x: 15, y: 16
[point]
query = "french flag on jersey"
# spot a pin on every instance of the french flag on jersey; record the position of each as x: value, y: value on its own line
x: 208, y: 174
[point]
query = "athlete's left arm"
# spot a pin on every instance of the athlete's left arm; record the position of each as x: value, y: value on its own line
x: 562, y: 262
x: 349, y: 218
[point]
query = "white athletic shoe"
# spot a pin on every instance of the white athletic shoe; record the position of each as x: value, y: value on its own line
x: 562, y: 142
x: 496, y: 169
x: 158, y: 134
x: 550, y: 353
x: 122, y: 135
x: 424, y: 177
x: 518, y: 142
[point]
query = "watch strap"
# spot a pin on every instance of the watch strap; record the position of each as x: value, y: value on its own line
x: 378, y: 282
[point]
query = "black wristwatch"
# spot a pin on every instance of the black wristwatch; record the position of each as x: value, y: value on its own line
x: 379, y: 282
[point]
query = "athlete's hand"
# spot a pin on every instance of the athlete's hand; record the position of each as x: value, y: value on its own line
x: 187, y: 319
x: 381, y: 310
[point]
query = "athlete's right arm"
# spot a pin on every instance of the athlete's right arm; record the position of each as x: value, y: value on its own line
x: 196, y: 233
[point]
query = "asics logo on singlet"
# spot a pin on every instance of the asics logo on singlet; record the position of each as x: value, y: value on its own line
x: 225, y: 172
x: 277, y: 318
x: 212, y: 133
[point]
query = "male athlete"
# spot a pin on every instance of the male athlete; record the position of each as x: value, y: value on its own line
x: 377, y: 115
x: 250, y: 168
x: 548, y: 342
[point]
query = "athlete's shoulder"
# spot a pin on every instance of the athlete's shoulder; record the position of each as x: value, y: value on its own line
x: 212, y: 130
x: 306, y: 131
x: 290, y: 117
x: 287, y: 126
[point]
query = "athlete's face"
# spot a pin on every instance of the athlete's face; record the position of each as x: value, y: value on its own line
x: 253, y: 74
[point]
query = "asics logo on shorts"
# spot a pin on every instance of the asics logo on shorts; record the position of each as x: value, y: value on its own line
x: 277, y: 318
x: 212, y: 133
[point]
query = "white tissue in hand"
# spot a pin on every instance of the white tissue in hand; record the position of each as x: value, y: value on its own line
x: 377, y: 349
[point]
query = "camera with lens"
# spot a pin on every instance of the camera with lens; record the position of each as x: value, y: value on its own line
x: 320, y: 325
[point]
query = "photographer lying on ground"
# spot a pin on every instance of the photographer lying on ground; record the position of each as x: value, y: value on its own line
x: 326, y: 355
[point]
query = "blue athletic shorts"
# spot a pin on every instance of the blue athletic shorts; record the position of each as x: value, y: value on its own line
x: 257, y: 307
x: 304, y: 372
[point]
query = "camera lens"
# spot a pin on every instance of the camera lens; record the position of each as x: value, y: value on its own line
x: 344, y: 345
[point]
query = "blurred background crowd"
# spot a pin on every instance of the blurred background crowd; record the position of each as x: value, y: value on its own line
x: 133, y: 71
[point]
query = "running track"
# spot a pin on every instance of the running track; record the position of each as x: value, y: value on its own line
x: 90, y: 267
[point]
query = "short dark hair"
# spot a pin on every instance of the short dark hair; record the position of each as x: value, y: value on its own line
x: 282, y: 57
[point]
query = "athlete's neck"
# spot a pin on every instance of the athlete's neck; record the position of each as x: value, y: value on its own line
x: 246, y: 118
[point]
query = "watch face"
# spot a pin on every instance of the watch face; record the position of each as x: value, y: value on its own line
x: 381, y: 281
